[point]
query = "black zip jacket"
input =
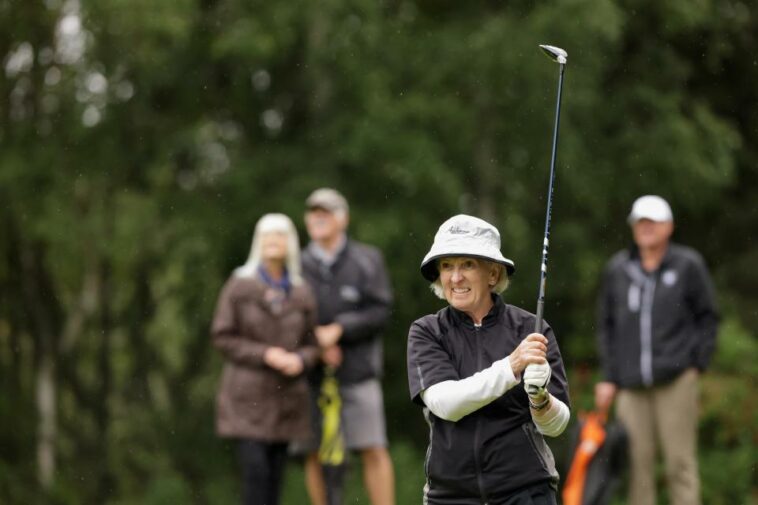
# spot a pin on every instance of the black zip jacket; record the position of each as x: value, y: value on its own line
x: 493, y: 452
x: 654, y: 325
x: 355, y: 291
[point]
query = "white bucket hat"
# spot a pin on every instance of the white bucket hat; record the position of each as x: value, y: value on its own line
x: 650, y: 207
x: 464, y: 235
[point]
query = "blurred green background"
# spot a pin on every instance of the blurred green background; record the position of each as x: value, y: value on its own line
x: 141, y: 140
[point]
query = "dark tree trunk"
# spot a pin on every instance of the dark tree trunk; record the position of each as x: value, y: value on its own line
x: 106, y: 481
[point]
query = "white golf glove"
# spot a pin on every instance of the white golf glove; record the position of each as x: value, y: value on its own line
x: 536, y: 379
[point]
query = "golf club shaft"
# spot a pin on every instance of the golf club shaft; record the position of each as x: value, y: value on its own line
x: 548, y: 216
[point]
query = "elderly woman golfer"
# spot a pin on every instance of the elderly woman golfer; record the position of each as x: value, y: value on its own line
x: 465, y: 366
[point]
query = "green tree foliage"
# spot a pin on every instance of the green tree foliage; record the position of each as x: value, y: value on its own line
x: 142, y: 140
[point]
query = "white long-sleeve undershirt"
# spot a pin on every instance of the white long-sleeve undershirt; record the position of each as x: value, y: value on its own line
x: 553, y: 420
x: 454, y: 399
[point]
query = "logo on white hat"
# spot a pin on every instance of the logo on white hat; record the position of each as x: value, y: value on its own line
x: 464, y: 235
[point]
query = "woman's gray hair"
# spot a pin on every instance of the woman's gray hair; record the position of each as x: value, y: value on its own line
x: 267, y: 224
x: 500, y: 286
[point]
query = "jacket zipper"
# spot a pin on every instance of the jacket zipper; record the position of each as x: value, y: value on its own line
x: 428, y: 458
x: 533, y: 442
x: 477, y: 462
x: 646, y: 332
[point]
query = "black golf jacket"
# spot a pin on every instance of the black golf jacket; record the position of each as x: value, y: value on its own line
x: 354, y: 291
x: 651, y: 326
x: 493, y: 452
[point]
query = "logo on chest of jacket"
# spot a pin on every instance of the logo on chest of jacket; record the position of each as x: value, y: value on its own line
x: 669, y: 277
x: 350, y: 294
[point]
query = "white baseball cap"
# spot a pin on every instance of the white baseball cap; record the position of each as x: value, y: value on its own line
x: 650, y: 207
x: 464, y: 235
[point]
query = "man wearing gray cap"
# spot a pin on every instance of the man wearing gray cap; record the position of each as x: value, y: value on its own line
x: 354, y: 297
x: 657, y: 325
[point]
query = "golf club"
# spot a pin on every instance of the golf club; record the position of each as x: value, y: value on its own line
x: 560, y: 56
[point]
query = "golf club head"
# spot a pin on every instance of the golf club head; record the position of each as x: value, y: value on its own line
x: 555, y: 53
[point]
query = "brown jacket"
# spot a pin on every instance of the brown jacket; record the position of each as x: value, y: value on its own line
x: 254, y: 400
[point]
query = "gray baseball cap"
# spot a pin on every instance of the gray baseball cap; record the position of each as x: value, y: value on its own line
x: 327, y: 199
x: 464, y: 235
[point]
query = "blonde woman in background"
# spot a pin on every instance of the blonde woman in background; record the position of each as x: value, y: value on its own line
x: 263, y: 327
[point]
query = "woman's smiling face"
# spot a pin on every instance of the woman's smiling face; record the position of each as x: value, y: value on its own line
x: 467, y: 282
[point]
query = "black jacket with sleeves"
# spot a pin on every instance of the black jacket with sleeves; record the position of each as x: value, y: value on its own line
x: 653, y: 326
x: 355, y: 292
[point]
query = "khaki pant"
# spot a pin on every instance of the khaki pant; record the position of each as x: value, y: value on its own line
x: 668, y: 414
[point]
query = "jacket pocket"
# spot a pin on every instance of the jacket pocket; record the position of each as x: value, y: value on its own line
x: 541, y: 449
x: 248, y: 392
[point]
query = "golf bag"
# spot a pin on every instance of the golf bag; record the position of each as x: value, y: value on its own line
x: 599, y: 456
x: 331, y: 453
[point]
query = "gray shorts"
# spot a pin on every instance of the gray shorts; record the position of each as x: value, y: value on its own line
x: 361, y: 418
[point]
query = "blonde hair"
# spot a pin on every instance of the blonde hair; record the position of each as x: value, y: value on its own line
x: 267, y: 224
x: 500, y: 286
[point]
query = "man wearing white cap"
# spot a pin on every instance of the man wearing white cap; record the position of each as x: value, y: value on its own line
x: 466, y: 364
x: 657, y: 324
